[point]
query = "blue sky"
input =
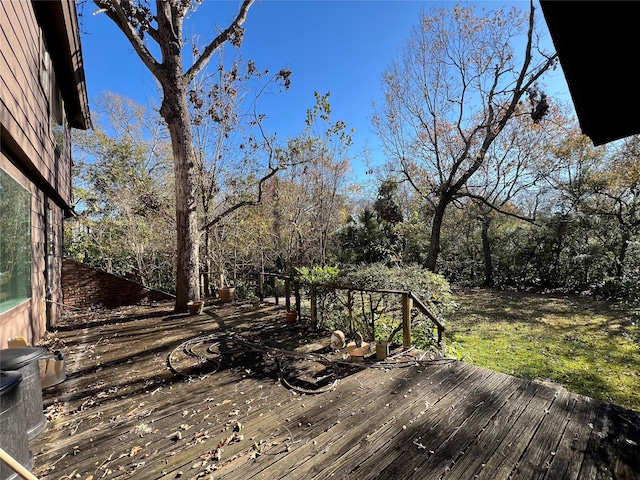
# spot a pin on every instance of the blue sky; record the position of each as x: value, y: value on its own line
x: 330, y: 45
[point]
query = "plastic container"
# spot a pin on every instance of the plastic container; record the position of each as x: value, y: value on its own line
x: 25, y: 361
x: 52, y: 369
x: 13, y: 421
x: 291, y: 316
x: 382, y: 350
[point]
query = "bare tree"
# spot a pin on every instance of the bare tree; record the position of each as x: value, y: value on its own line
x: 511, y: 180
x: 162, y: 26
x: 451, y: 93
x: 235, y: 158
x: 308, y: 202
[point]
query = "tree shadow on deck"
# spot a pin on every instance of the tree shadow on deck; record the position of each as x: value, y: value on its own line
x: 91, y: 318
x: 136, y: 350
x: 260, y: 344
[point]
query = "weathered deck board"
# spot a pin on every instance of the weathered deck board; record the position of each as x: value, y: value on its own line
x: 574, y: 441
x: 436, y: 440
x: 119, y: 413
x: 328, y: 417
x: 490, y: 437
x: 376, y: 435
x: 543, y: 445
x: 376, y: 422
x: 434, y: 429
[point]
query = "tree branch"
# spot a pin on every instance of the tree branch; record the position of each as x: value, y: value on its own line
x: 521, y: 87
x: 244, y: 203
x: 492, y: 206
x: 114, y: 10
x: 217, y: 42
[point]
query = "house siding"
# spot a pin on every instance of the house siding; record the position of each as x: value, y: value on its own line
x: 28, y: 149
x: 22, y: 106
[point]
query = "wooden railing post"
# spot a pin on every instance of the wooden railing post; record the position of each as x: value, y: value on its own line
x: 275, y: 290
x: 287, y: 293
x: 407, y: 305
x: 352, y: 324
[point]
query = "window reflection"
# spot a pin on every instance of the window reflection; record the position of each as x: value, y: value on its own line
x: 15, y: 242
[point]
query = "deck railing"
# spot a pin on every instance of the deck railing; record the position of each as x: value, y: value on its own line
x: 408, y: 300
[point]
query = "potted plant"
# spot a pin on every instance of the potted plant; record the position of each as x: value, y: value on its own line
x: 195, y: 307
x: 226, y: 294
x: 292, y: 314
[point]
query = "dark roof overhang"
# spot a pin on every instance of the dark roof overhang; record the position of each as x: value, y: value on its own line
x: 59, y: 22
x: 598, y: 44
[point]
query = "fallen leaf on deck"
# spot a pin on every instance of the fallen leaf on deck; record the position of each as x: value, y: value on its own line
x: 135, y: 450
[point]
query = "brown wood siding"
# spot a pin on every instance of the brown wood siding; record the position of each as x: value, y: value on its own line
x: 38, y: 284
x: 57, y: 246
x: 24, y: 108
x: 28, y: 148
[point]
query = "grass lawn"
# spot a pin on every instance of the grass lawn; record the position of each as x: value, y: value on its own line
x: 589, y: 347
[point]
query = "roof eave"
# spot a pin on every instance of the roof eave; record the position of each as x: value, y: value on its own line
x: 59, y: 22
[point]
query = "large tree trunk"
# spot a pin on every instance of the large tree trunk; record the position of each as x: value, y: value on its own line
x: 436, y: 228
x: 176, y: 113
x: 208, y: 264
x: 486, y: 250
x: 136, y: 22
x: 622, y: 252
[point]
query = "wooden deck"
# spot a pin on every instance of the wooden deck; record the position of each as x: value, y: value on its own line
x: 122, y: 413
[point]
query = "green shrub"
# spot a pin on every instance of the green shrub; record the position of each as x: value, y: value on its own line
x: 378, y: 315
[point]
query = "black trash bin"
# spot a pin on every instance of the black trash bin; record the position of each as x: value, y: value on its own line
x: 25, y: 361
x: 13, y: 425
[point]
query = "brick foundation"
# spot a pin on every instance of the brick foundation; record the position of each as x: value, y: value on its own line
x: 84, y: 287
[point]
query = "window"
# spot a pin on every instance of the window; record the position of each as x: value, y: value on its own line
x: 15, y: 243
x: 45, y: 68
x: 53, y: 96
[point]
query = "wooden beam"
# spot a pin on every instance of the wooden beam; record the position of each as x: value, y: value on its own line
x: 407, y: 305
